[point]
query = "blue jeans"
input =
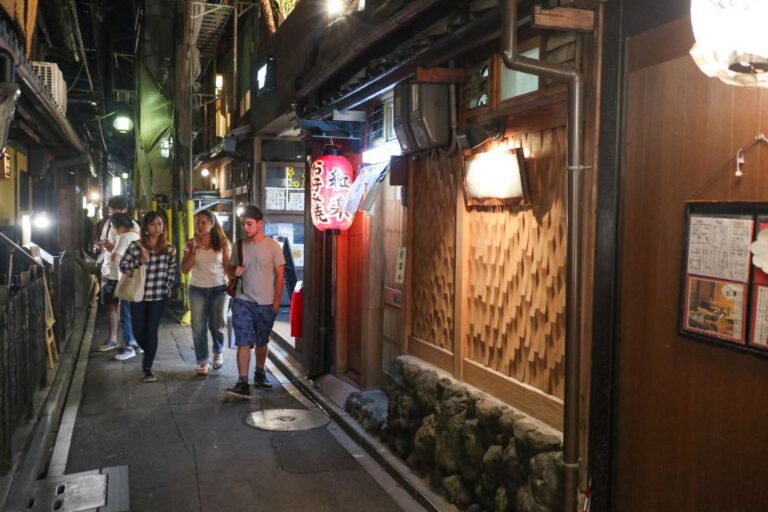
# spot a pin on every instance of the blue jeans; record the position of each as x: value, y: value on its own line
x: 208, y: 308
x: 146, y: 317
x: 125, y: 322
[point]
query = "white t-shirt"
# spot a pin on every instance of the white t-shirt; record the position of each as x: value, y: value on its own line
x: 208, y: 270
x: 121, y: 245
x: 108, y: 232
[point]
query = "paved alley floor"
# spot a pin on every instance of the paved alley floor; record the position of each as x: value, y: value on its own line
x: 188, y: 448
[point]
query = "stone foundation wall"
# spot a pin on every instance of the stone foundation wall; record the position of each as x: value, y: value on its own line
x: 478, y: 452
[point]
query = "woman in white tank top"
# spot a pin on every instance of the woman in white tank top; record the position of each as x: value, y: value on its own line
x: 206, y: 256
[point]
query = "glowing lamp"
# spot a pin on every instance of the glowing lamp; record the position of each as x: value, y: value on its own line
x: 497, y: 178
x: 41, y: 221
x: 331, y: 179
x: 204, y: 172
x: 123, y: 124
x: 117, y: 186
x: 730, y: 40
x: 335, y: 8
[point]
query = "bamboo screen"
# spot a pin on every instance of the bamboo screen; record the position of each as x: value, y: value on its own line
x: 517, y: 276
x: 394, y: 239
x: 435, y: 182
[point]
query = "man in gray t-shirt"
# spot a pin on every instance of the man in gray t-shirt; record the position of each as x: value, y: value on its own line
x: 254, y: 309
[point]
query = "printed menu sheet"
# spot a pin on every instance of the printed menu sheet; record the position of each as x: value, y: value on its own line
x: 759, y: 337
x: 719, y: 247
x: 276, y: 198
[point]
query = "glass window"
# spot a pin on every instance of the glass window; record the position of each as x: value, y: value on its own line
x: 476, y: 91
x: 291, y: 233
x: 515, y: 83
x: 284, y: 188
x: 376, y: 125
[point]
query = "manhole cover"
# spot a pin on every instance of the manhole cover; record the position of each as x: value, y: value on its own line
x: 286, y: 419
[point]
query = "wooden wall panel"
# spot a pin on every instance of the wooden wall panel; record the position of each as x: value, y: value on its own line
x: 434, y: 239
x: 394, y: 238
x: 517, y: 276
x: 690, y: 416
x: 394, y: 232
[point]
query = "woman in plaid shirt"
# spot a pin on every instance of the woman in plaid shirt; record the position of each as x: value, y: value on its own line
x: 159, y: 257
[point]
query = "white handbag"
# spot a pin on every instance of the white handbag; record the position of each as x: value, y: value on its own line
x: 130, y: 287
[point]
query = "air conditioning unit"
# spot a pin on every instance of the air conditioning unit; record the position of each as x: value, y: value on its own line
x: 401, y: 118
x: 422, y: 116
x: 51, y: 76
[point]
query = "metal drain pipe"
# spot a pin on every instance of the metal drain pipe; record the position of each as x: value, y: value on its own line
x: 573, y: 219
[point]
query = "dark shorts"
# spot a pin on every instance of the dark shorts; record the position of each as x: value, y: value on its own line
x: 108, y: 291
x: 252, y: 323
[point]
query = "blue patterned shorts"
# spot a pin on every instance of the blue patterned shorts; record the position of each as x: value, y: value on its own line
x: 252, y: 322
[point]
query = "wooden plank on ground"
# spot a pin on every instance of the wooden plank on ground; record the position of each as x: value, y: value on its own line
x: 118, y: 489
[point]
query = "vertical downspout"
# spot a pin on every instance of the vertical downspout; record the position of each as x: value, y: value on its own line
x: 573, y: 220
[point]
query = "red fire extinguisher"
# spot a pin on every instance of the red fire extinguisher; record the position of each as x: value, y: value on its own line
x: 297, y: 310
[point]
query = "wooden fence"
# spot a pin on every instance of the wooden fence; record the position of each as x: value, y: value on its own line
x: 22, y: 361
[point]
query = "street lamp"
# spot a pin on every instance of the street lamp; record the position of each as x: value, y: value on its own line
x: 123, y: 124
x: 204, y: 172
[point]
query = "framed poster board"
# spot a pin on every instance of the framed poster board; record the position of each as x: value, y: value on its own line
x: 283, y: 187
x: 724, y: 291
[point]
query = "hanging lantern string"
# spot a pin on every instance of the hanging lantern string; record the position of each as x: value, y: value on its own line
x: 738, y: 159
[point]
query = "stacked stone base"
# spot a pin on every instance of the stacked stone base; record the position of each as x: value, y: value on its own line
x: 476, y: 451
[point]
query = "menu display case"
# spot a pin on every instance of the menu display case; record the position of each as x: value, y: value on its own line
x: 724, y: 291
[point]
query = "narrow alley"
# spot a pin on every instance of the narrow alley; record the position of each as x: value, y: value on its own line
x: 383, y: 255
x: 187, y: 447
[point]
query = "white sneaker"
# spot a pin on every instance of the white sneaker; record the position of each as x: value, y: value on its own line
x: 203, y: 370
x: 218, y: 361
x: 126, y: 353
x: 136, y: 348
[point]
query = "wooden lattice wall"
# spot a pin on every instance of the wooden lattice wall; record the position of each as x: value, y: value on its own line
x: 434, y: 249
x: 516, y: 311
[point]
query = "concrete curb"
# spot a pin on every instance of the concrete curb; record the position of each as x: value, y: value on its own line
x: 396, y: 468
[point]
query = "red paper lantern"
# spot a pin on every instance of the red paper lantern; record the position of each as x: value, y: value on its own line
x: 332, y: 177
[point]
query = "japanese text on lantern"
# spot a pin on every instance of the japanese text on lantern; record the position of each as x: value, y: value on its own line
x: 330, y: 183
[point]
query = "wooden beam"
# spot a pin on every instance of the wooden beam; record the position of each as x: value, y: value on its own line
x: 528, y: 399
x: 430, y: 353
x: 440, y: 75
x: 461, y: 282
x: 563, y: 18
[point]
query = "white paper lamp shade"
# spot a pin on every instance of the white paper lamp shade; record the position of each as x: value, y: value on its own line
x: 496, y: 178
x: 731, y: 42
